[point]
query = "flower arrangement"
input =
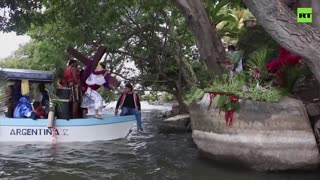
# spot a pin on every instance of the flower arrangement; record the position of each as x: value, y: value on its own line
x: 255, y: 81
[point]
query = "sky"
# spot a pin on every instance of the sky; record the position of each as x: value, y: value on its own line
x: 9, y: 42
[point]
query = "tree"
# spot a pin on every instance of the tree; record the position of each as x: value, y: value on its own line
x: 280, y: 22
x: 205, y: 34
x: 37, y: 55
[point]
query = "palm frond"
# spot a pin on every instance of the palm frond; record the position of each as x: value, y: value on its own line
x: 259, y: 58
x: 235, y: 56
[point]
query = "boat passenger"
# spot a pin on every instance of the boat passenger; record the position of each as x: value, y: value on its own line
x: 9, y: 101
x: 72, y: 76
x: 16, y: 93
x: 23, y: 108
x: 61, y: 81
x: 129, y: 104
x: 44, y: 97
x: 38, y: 111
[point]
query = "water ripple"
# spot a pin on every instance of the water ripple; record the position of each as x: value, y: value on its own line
x: 147, y: 155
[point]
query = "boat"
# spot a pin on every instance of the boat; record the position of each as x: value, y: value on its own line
x: 88, y: 129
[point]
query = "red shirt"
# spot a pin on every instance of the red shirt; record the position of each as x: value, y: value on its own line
x: 68, y: 74
x: 40, y: 112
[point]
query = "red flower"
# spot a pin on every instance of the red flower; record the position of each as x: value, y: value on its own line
x: 285, y: 58
x: 273, y: 66
x: 229, y: 65
x: 255, y: 73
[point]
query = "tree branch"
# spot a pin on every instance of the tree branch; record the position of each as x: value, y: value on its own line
x: 281, y: 24
x: 126, y: 53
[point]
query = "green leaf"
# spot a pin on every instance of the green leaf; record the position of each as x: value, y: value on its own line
x: 228, y: 105
x: 219, y: 6
x: 236, y: 106
x: 224, y: 108
x: 219, y: 100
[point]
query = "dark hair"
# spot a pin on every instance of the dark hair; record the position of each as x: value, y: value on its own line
x: 72, y: 62
x: 231, y: 48
x: 128, y: 85
x: 36, y: 104
x: 42, y: 86
x: 102, y: 65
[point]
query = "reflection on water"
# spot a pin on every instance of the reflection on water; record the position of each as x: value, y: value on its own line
x: 148, y: 155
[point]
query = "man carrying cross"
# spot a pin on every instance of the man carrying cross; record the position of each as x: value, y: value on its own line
x: 94, y: 74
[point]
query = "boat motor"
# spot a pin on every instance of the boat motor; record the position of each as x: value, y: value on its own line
x: 51, y: 117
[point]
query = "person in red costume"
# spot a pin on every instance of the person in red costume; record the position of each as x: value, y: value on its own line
x: 72, y: 77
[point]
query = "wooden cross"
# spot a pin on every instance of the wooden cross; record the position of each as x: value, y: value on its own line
x: 96, y: 58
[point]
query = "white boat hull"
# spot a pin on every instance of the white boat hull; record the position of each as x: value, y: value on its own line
x: 74, y: 130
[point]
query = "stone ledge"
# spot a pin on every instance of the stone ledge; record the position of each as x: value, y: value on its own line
x: 176, y: 124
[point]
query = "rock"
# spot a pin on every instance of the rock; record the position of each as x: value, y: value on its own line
x: 316, y: 129
x: 307, y: 89
x: 175, y: 124
x: 264, y: 136
x: 313, y: 109
x: 175, y: 110
x: 167, y: 114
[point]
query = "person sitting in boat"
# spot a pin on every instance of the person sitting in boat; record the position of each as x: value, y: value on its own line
x: 72, y: 76
x: 91, y: 99
x: 9, y: 101
x: 129, y: 104
x: 23, y: 108
x: 38, y: 112
x: 16, y: 93
x: 44, y: 97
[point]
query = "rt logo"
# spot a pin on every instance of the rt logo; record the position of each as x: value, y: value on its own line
x: 304, y: 15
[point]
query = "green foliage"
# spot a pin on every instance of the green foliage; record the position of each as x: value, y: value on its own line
x: 195, y: 94
x: 151, y: 33
x: 224, y: 103
x: 225, y: 17
x: 151, y: 97
x: 234, y: 56
x: 108, y: 96
x: 167, y: 97
x: 292, y: 73
x: 254, y: 38
x: 259, y: 59
x: 37, y: 55
x: 239, y: 82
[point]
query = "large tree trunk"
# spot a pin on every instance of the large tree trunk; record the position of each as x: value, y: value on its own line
x: 315, y: 13
x: 205, y: 34
x: 183, y: 108
x: 281, y: 24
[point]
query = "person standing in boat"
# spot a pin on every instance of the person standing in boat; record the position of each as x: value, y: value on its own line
x: 129, y: 104
x: 101, y: 76
x: 72, y: 76
x: 61, y: 81
x: 91, y: 98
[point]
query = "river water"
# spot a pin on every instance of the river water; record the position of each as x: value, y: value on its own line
x: 147, y: 155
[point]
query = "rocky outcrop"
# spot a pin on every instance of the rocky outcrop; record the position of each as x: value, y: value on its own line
x: 264, y: 136
x: 176, y: 124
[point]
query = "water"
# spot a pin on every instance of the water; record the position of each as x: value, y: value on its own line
x: 148, y: 156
